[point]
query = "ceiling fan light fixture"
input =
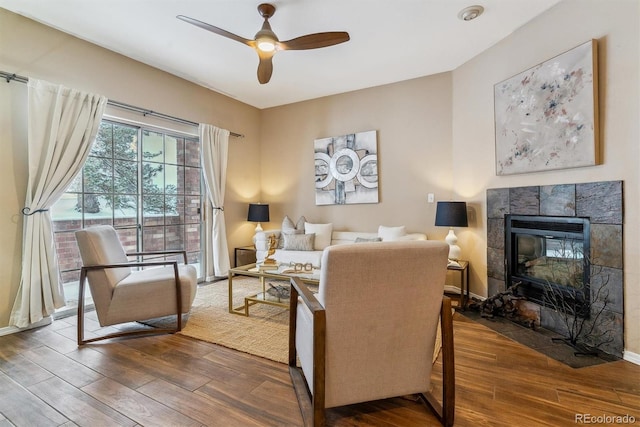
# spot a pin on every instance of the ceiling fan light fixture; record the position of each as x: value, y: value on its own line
x: 470, y: 13
x: 266, y: 44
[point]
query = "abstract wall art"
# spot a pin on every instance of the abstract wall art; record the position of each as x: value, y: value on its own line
x: 346, y: 169
x: 547, y: 116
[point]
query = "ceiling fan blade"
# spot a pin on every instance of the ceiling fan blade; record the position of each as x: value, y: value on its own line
x: 216, y: 30
x: 314, y: 41
x: 265, y: 67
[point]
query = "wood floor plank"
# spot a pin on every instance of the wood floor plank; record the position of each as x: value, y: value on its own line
x: 198, y: 406
x: 77, y: 406
x: 23, y: 371
x: 151, y: 365
x: 62, y: 366
x: 137, y: 406
x: 23, y: 408
x: 109, y: 367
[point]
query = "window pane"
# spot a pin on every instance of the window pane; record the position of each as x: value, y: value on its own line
x: 171, y: 149
x: 125, y: 177
x: 191, y: 214
x: 98, y: 209
x: 180, y: 151
x: 102, y: 147
x: 125, y: 142
x: 98, y: 175
x: 193, y: 237
x: 192, y: 152
x: 127, y: 211
x: 175, y: 237
x: 152, y: 178
x: 76, y: 184
x: 67, y: 208
x: 192, y: 180
x: 174, y: 210
x: 170, y: 179
x: 152, y: 146
x: 129, y: 239
x: 153, y: 209
x: 153, y: 239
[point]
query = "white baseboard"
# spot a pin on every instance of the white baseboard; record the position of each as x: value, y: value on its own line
x: 631, y: 357
x: 7, y: 330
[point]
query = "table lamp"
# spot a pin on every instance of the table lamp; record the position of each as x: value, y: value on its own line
x: 258, y: 213
x: 452, y: 214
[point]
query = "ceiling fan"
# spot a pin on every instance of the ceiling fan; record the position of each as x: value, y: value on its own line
x: 266, y: 42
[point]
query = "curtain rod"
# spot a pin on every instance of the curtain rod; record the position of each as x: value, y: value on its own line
x: 9, y: 77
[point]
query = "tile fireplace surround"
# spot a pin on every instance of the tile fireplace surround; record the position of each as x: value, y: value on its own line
x: 602, y: 203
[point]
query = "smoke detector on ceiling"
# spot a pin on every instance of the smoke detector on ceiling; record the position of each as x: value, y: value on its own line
x: 470, y: 13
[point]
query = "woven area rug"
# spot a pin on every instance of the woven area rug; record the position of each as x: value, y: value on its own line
x: 264, y: 333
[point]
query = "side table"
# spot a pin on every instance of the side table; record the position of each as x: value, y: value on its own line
x: 463, y: 296
x: 244, y: 255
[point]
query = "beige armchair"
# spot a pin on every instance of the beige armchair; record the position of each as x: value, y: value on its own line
x: 122, y: 295
x: 370, y: 331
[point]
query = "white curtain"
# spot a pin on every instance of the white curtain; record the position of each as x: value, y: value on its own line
x: 215, y: 148
x: 62, y: 126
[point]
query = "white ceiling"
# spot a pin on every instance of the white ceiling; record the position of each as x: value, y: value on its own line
x: 390, y: 40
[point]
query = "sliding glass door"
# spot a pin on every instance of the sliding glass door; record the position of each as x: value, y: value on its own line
x: 144, y: 182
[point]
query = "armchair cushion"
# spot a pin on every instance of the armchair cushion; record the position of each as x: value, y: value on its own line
x: 151, y: 286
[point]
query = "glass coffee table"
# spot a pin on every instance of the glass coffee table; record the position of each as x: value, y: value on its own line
x: 282, y: 272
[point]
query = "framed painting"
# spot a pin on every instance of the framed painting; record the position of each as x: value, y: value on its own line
x: 547, y: 116
x: 346, y: 169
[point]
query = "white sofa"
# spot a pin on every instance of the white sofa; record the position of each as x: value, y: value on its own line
x: 284, y: 256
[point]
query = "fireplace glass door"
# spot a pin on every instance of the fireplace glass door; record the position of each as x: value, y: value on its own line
x: 548, y: 254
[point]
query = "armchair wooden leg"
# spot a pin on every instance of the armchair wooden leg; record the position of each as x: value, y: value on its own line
x: 83, y: 277
x: 445, y: 411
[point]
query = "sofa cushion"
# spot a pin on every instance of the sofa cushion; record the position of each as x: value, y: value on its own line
x: 298, y: 242
x: 366, y: 240
x: 322, y: 232
x: 389, y: 234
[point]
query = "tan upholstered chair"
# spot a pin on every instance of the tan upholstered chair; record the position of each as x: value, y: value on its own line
x: 122, y: 295
x: 370, y: 331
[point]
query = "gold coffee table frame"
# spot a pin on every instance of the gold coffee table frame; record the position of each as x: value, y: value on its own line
x: 251, y: 270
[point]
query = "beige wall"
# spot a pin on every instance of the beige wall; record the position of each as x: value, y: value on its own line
x: 33, y: 50
x: 413, y: 121
x: 615, y: 24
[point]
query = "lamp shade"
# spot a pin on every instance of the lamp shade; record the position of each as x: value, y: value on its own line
x: 258, y: 212
x: 451, y: 214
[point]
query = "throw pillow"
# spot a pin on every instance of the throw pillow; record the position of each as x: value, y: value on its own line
x: 298, y: 242
x: 322, y: 232
x: 288, y: 227
x: 388, y: 234
x: 365, y: 240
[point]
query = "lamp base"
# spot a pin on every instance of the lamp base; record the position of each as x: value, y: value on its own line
x: 454, y: 250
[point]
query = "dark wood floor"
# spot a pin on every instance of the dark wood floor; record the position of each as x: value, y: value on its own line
x: 172, y: 380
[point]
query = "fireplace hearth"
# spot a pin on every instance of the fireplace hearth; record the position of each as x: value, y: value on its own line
x: 567, y: 235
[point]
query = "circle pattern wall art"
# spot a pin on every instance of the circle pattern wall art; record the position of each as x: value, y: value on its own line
x: 346, y: 169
